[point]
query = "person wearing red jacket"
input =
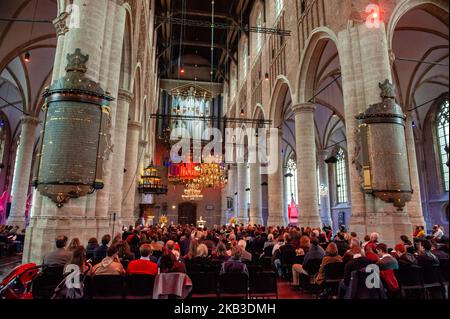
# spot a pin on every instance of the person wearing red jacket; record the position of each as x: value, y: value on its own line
x: 143, y: 266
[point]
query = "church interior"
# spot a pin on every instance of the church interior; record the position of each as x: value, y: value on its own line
x: 171, y: 125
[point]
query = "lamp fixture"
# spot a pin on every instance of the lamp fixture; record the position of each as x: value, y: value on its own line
x: 27, y: 57
x: 266, y: 77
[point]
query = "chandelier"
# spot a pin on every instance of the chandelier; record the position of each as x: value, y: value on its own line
x: 150, y: 182
x: 192, y: 192
x: 183, y: 173
x: 209, y: 174
x: 212, y: 175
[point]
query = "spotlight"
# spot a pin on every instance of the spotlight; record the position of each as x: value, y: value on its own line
x: 267, y: 77
x: 242, y: 112
x: 27, y: 57
x: 182, y: 71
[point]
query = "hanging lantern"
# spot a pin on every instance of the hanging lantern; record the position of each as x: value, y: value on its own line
x: 150, y: 182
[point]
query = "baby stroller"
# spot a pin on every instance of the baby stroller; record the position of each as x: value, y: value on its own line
x: 17, y: 285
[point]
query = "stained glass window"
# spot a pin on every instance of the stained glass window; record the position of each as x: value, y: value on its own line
x: 442, y: 127
x: 341, y: 177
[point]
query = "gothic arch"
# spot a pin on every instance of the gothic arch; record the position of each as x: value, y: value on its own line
x: 309, y: 61
x: 281, y: 90
x: 405, y: 6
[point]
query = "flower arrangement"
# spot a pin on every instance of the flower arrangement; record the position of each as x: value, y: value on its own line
x: 163, y: 219
x: 232, y: 221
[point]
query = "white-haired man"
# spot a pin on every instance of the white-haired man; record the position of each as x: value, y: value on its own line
x: 246, y: 256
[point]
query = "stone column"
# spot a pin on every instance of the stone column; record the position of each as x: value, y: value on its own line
x: 120, y: 142
x: 231, y: 190
x: 60, y: 24
x: 242, y: 198
x: 86, y: 216
x: 325, y: 213
x: 223, y: 210
x: 306, y: 165
x: 365, y: 63
x: 414, y: 207
x: 255, y: 194
x: 277, y: 209
x: 22, y: 170
x: 131, y: 174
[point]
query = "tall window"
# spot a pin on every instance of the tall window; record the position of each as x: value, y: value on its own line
x: 291, y: 181
x: 259, y: 34
x: 443, y: 141
x: 278, y: 7
x: 341, y: 177
x: 244, y: 62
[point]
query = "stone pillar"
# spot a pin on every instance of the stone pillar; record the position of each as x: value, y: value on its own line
x: 325, y: 212
x: 86, y: 216
x: 365, y: 63
x: 223, y: 210
x: 231, y: 190
x: 306, y: 165
x: 120, y: 143
x: 277, y: 209
x: 131, y: 174
x: 414, y: 207
x: 22, y: 170
x: 242, y: 198
x: 60, y: 24
x: 255, y: 194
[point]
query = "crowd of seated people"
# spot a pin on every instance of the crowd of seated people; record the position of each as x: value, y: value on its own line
x: 11, y: 240
x: 304, y: 256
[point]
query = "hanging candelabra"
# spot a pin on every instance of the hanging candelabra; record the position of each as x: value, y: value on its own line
x: 150, y: 182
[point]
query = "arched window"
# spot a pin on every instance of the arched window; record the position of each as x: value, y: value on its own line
x: 291, y: 181
x: 341, y: 177
x: 259, y: 34
x: 278, y: 7
x: 443, y: 141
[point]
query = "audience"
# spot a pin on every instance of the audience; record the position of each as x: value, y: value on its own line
x: 386, y: 261
x: 143, y: 266
x: 91, y: 247
x: 331, y: 256
x: 315, y: 252
x: 101, y: 250
x: 235, y: 264
x: 404, y: 258
x: 184, y: 249
x: 110, y: 265
x: 60, y: 256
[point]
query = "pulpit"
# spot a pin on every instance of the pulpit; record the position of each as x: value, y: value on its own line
x: 201, y: 223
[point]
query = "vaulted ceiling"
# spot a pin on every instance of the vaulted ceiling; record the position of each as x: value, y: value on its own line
x: 188, y: 46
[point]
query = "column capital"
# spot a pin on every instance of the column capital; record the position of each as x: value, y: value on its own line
x: 134, y: 125
x: 60, y: 24
x: 125, y: 95
x: 304, y: 108
x: 29, y: 120
x: 322, y: 154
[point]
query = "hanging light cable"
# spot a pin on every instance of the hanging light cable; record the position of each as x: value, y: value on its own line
x: 27, y: 55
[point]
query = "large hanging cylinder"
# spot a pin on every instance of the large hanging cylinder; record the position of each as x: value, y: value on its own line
x: 75, y: 139
x: 386, y: 169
